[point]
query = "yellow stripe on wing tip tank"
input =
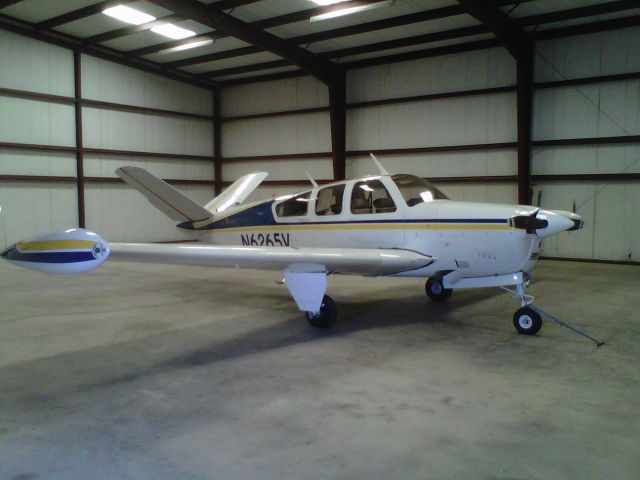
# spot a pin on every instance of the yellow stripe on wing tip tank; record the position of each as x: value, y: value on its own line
x: 47, y: 245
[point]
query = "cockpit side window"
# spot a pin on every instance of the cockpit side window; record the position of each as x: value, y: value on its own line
x: 370, y: 196
x: 329, y: 200
x: 294, y: 207
x: 416, y: 190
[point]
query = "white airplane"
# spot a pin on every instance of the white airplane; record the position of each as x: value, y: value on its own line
x: 380, y: 225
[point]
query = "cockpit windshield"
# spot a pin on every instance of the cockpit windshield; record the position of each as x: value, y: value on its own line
x: 417, y: 190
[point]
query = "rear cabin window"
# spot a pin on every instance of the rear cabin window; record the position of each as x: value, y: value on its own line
x: 329, y: 201
x: 294, y: 207
x: 371, y: 196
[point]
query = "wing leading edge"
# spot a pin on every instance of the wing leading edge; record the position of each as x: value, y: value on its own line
x: 336, y: 260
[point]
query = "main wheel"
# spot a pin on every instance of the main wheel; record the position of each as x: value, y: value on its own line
x: 435, y: 290
x: 527, y: 321
x: 327, y: 315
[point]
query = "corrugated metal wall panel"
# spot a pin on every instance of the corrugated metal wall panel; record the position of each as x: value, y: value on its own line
x: 27, y: 64
x: 289, y: 94
x: 29, y: 121
x: 465, y: 71
x: 111, y: 209
x: 177, y: 169
x: 320, y: 169
x: 445, y: 164
x: 278, y: 135
x: 29, y: 209
x: 21, y: 162
x: 146, y: 133
x: 451, y: 121
x: 607, y: 109
x: 111, y: 82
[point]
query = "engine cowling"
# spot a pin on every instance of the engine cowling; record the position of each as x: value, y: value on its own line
x: 71, y: 251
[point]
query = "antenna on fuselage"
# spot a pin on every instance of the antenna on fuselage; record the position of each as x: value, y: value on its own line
x: 313, y: 182
x: 383, y: 171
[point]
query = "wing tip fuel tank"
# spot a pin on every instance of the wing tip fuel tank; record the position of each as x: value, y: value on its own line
x: 63, y: 252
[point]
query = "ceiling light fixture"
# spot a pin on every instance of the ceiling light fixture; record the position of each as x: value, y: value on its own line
x: 173, y: 31
x: 187, y: 46
x: 129, y: 15
x: 347, y: 11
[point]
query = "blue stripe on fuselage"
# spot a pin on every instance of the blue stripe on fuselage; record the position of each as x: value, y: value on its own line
x: 262, y: 215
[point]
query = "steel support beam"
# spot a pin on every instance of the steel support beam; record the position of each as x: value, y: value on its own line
x: 74, y: 43
x: 321, y: 68
x: 8, y: 3
x: 521, y: 47
x: 79, y: 14
x: 77, y: 85
x: 326, y: 71
x: 217, y: 141
x: 510, y: 34
x: 338, y: 115
x: 524, y: 88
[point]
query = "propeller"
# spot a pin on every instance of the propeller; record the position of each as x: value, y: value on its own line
x: 530, y: 223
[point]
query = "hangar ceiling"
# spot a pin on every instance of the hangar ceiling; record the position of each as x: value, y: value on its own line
x: 383, y: 32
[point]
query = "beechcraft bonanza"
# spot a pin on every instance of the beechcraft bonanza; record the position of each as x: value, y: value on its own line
x: 380, y: 225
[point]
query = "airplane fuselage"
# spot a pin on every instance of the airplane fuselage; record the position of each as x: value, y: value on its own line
x: 475, y: 239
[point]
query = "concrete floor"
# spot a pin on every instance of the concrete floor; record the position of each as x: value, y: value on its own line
x: 153, y: 372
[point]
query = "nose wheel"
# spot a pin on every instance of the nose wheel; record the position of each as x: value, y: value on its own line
x: 326, y: 317
x: 435, y: 290
x: 527, y: 321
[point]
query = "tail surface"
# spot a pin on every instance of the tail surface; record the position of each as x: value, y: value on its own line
x: 173, y: 203
x: 177, y: 205
x: 237, y: 192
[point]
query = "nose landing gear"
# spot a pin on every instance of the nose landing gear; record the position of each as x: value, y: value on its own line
x: 527, y: 321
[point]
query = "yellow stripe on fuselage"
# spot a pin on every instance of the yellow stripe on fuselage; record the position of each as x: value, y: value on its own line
x: 352, y: 226
x: 48, y: 245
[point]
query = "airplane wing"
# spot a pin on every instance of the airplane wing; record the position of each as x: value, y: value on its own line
x: 305, y: 269
x: 335, y: 260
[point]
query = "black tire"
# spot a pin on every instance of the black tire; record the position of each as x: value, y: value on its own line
x: 527, y: 321
x: 435, y: 290
x: 327, y: 316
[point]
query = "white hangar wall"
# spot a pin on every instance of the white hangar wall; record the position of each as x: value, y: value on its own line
x: 430, y: 123
x: 28, y: 208
x: 585, y: 111
x: 114, y: 210
x: 609, y: 109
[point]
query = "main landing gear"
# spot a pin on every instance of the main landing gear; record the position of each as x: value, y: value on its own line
x: 435, y: 290
x: 326, y: 317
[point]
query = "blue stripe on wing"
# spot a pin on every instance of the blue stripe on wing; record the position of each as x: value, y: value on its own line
x: 47, y: 257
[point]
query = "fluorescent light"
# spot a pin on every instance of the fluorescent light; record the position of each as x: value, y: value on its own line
x: 327, y: 2
x: 187, y: 46
x: 173, y: 31
x: 129, y: 15
x: 347, y: 11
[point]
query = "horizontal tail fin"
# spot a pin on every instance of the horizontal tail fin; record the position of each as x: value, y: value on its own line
x: 237, y: 192
x: 163, y: 196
